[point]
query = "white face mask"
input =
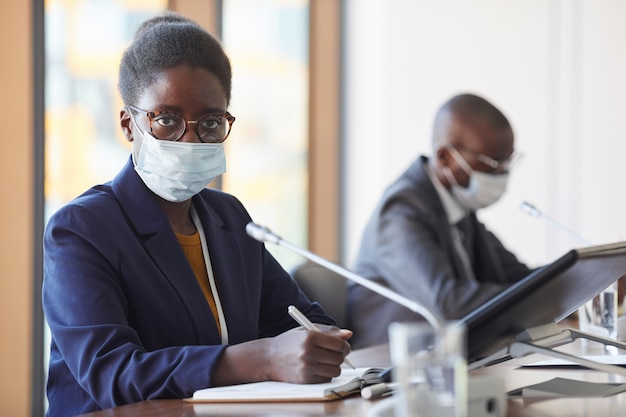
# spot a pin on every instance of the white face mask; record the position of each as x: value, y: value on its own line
x: 176, y: 171
x: 483, y: 189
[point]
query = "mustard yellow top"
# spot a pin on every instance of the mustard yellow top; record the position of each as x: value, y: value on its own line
x: 192, y: 247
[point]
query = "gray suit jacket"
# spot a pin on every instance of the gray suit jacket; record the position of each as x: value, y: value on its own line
x: 407, y: 245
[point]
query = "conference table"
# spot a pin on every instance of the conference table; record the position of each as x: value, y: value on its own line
x: 514, y: 373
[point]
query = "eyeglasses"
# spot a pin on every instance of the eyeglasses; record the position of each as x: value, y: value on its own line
x: 501, y: 165
x: 210, y: 128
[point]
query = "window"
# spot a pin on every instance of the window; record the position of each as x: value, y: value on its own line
x: 84, y: 145
x: 267, y: 42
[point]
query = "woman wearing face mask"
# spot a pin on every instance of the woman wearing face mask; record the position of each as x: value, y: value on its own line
x: 152, y: 288
x: 424, y: 239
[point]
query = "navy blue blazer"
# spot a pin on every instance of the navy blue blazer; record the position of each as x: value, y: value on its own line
x: 128, y: 319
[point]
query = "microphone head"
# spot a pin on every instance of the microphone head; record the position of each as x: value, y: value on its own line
x: 530, y: 209
x: 261, y: 233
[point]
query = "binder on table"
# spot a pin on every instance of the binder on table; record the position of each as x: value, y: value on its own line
x: 523, y: 318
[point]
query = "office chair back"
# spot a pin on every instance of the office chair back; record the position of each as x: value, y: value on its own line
x: 324, y: 286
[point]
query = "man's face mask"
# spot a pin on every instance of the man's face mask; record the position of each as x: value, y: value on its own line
x: 483, y: 189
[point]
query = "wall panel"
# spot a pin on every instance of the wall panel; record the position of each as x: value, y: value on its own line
x: 555, y: 70
x: 16, y: 221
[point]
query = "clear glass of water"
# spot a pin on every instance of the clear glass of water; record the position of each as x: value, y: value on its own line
x: 431, y: 368
x: 599, y: 315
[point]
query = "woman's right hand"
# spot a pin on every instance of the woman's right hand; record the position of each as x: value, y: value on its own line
x: 297, y: 356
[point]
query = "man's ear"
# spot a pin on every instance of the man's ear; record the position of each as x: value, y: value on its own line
x: 443, y: 156
x: 442, y: 160
x: 125, y: 124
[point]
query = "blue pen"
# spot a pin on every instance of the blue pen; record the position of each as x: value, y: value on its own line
x: 303, y: 321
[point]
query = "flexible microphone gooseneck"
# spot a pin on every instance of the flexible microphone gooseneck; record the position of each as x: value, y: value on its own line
x: 263, y: 234
x: 535, y: 212
x: 609, y: 291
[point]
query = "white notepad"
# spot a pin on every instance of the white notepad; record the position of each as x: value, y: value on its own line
x: 349, y: 382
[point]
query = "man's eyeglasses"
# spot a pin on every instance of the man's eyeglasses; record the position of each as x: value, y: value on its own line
x: 500, y: 165
x: 210, y: 128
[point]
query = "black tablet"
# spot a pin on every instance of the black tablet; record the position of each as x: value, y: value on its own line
x: 547, y: 295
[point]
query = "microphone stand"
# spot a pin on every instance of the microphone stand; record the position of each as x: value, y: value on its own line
x: 483, y: 393
x: 264, y: 234
x: 609, y: 292
x: 535, y: 212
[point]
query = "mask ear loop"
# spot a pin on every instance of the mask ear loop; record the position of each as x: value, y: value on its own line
x: 132, y: 144
x: 460, y: 160
x: 447, y: 172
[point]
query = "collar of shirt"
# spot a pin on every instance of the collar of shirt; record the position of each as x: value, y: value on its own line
x: 453, y: 209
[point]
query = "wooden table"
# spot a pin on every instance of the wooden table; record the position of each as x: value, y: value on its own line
x: 352, y: 406
x: 513, y: 374
x: 516, y: 374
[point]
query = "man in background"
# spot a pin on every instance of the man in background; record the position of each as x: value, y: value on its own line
x: 424, y: 240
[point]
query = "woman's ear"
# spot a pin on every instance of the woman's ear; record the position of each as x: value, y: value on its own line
x: 125, y: 124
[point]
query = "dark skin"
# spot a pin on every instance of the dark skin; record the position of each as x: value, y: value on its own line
x: 470, y: 137
x: 296, y: 356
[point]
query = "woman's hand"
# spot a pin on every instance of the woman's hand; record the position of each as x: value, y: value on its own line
x: 297, y: 356
x: 308, y: 356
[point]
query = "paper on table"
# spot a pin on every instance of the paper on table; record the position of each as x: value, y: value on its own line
x: 563, y: 387
x: 291, y: 408
x: 605, y: 359
x: 350, y: 381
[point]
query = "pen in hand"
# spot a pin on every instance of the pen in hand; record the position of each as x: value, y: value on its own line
x: 303, y: 321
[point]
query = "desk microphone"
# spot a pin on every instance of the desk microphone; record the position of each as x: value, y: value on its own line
x: 535, y: 212
x: 263, y: 234
x: 609, y: 295
x: 485, y: 393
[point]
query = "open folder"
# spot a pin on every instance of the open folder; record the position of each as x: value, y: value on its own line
x: 540, y: 300
x: 350, y: 381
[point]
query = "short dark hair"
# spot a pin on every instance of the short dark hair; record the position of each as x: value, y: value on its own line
x: 469, y: 107
x: 474, y: 107
x: 166, y: 41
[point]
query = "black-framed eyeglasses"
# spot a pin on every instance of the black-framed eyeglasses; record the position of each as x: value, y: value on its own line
x: 210, y: 128
x: 500, y: 165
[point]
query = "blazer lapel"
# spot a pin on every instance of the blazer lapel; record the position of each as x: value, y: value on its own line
x: 431, y: 197
x: 160, y: 242
x: 228, y: 271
